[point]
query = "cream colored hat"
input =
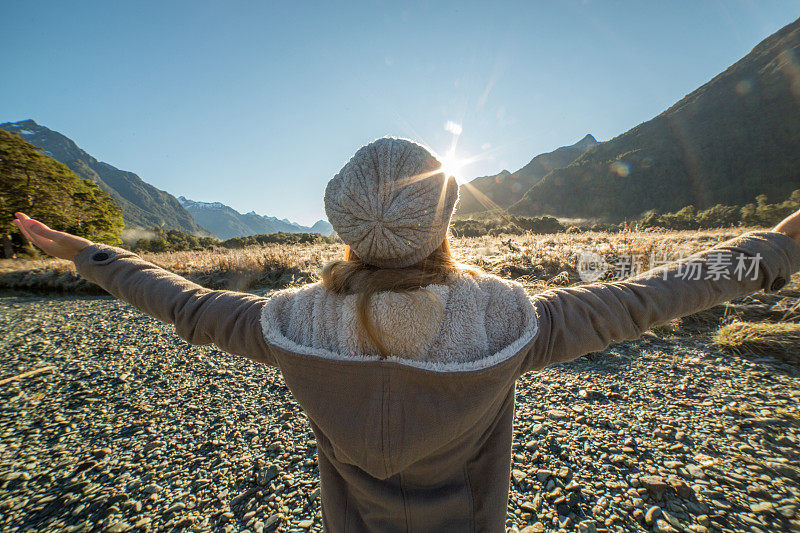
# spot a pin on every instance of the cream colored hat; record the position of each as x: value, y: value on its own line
x: 391, y: 202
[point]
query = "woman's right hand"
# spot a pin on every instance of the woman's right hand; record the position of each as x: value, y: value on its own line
x: 52, y: 242
x: 790, y: 226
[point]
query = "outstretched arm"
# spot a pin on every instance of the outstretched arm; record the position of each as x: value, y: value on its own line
x: 579, y: 320
x: 230, y: 320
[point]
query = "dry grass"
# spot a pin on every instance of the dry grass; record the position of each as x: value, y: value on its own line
x: 538, y: 261
x: 541, y: 261
x: 780, y: 339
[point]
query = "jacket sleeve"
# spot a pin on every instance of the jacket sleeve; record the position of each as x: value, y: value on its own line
x: 578, y: 320
x: 230, y: 320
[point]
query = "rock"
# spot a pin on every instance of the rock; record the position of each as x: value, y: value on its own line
x: 118, y: 527
x: 305, y: 524
x: 695, y: 472
x: 655, y: 485
x: 590, y: 394
x: 683, y: 490
x: 271, y: 523
x: 784, y: 469
x: 721, y: 504
x: 184, y: 522
x: 587, y: 526
x: 557, y: 414
x: 152, y: 488
x: 528, y: 506
x: 662, y: 526
x: 762, y: 507
x: 787, y: 510
x: 757, y: 490
x: 101, y: 453
x: 150, y: 446
x: 669, y: 517
x: 175, y: 508
x: 537, y: 527
x: 543, y: 475
x: 531, y: 445
x: 264, y: 477
x: 518, y: 475
x: 651, y: 514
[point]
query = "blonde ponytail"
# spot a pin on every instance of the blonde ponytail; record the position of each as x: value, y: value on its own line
x: 353, y: 276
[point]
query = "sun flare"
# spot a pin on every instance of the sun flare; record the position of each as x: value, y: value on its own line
x: 452, y: 165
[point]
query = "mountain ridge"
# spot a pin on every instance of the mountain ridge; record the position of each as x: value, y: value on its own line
x: 503, y: 189
x: 731, y: 139
x: 142, y: 204
x: 227, y: 223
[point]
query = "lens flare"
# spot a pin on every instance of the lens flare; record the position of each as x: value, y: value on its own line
x: 452, y: 165
x: 621, y: 168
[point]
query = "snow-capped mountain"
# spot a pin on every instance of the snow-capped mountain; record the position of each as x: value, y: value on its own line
x: 226, y: 222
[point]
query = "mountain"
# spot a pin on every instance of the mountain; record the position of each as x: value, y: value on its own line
x: 322, y: 226
x: 47, y: 190
x: 227, y: 223
x: 736, y: 137
x: 142, y: 204
x: 505, y: 188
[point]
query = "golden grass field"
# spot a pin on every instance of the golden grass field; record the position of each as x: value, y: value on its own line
x: 537, y: 261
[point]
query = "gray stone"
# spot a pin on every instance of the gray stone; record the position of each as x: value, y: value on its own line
x: 762, y: 507
x: 651, y: 514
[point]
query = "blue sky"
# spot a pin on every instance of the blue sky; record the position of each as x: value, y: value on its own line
x: 258, y: 104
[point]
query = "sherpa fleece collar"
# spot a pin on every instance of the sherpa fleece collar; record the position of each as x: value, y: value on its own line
x: 470, y: 323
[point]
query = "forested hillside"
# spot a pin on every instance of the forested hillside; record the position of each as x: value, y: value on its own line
x: 734, y: 138
x: 142, y: 204
x: 43, y: 188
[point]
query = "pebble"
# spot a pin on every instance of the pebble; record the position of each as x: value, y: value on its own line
x: 651, y: 514
x: 762, y: 507
x: 118, y: 527
x: 536, y: 527
x: 152, y: 488
x: 662, y: 526
x: 655, y: 485
x: 518, y: 475
x: 191, y: 430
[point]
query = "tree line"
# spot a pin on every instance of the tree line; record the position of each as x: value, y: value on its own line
x: 43, y: 188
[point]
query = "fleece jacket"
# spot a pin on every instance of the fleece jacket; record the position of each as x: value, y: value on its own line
x: 421, y: 440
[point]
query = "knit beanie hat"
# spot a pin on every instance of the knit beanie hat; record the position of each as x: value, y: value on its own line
x: 391, y: 203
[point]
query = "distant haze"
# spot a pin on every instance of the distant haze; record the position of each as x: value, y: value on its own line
x: 258, y: 106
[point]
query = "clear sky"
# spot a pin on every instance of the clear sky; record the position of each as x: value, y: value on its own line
x: 258, y: 104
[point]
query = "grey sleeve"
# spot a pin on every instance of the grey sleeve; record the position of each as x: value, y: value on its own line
x: 578, y: 320
x: 230, y: 320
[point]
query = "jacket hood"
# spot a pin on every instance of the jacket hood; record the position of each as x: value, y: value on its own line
x: 453, y: 348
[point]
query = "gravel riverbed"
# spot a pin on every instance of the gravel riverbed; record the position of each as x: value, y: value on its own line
x: 136, y: 430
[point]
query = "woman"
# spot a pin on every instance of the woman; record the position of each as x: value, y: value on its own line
x: 410, y: 392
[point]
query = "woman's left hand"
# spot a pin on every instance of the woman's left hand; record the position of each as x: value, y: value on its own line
x: 52, y: 242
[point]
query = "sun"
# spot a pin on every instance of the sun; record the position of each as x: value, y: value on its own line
x: 452, y: 165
